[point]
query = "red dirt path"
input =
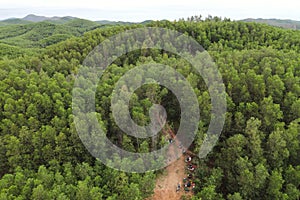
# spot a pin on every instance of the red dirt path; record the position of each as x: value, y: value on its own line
x: 166, y: 184
x: 165, y: 188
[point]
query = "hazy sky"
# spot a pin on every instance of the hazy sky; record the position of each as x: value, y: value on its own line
x: 139, y: 10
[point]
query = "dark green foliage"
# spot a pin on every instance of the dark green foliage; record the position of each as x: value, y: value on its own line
x: 42, y: 157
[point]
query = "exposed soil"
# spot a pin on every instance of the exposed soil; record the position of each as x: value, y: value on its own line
x: 166, y: 184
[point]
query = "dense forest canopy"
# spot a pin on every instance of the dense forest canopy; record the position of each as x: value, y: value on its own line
x: 42, y: 156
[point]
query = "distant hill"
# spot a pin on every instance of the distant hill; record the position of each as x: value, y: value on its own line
x: 13, y: 21
x: 55, y: 20
x: 31, y: 18
x: 35, y: 31
x: 59, y: 20
x: 288, y: 24
x: 45, y: 33
x: 35, y: 18
x: 107, y: 22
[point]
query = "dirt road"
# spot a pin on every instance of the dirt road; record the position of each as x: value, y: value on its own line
x: 166, y: 184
